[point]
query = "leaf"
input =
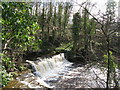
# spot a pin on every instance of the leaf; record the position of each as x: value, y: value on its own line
x: 110, y: 52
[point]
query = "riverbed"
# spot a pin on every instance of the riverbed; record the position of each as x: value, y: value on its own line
x: 62, y: 74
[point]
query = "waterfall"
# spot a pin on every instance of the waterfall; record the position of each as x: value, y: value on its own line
x: 47, y: 66
x: 45, y: 70
x: 57, y: 72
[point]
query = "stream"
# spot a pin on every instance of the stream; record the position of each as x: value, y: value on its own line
x: 57, y: 72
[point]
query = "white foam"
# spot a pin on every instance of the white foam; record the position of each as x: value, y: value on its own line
x: 49, y: 68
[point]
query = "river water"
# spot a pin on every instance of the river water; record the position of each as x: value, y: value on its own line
x: 57, y: 72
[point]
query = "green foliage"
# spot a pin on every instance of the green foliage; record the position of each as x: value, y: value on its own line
x: 6, y: 77
x: 76, y: 25
x: 22, y: 67
x: 7, y: 62
x: 83, y: 30
x: 19, y: 27
x: 112, y: 68
x: 91, y: 27
x: 76, y: 28
x: 113, y: 65
x: 19, y: 34
x: 64, y: 46
x: 7, y: 66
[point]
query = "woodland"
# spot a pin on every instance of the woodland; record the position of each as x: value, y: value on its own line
x: 39, y: 29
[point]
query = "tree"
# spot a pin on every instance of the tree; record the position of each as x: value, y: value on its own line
x: 42, y: 20
x: 86, y: 29
x: 49, y: 19
x: 60, y: 10
x: 66, y: 15
x: 19, y: 29
x: 110, y: 14
x: 76, y: 28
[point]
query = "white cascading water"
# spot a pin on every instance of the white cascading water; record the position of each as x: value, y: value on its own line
x: 49, y: 71
x: 49, y: 67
